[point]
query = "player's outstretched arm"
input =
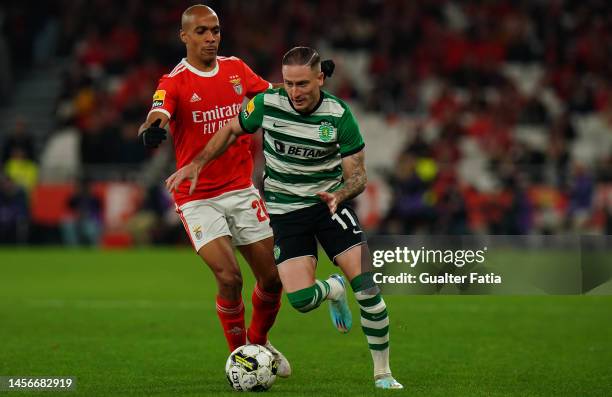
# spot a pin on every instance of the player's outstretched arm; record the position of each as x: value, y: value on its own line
x: 355, y: 179
x: 219, y: 143
x: 152, y: 131
x: 216, y: 147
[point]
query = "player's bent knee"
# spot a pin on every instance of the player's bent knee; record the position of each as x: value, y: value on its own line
x: 270, y: 283
x: 229, y: 280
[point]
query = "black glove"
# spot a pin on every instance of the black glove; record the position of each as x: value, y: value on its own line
x: 327, y: 67
x: 154, y: 135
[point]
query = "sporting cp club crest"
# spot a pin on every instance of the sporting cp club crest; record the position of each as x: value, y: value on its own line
x: 277, y: 252
x: 236, y: 84
x: 326, y: 131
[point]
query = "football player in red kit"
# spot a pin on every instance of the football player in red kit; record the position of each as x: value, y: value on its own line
x: 201, y: 94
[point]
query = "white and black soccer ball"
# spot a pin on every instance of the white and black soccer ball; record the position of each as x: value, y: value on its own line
x: 251, y: 368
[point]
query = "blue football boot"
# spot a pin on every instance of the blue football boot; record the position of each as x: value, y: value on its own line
x: 387, y: 382
x: 339, y: 309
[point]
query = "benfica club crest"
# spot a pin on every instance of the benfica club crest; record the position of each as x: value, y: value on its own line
x: 197, y: 230
x: 236, y: 84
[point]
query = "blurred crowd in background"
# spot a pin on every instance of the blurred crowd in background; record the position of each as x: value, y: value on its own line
x: 479, y: 116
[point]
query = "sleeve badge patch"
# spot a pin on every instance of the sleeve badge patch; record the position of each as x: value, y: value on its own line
x: 249, y: 108
x: 158, y: 98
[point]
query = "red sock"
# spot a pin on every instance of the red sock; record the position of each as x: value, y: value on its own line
x: 231, y: 314
x: 265, y: 308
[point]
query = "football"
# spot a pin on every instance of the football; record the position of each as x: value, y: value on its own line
x: 251, y: 368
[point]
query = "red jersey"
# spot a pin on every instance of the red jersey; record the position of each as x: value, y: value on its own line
x: 200, y: 103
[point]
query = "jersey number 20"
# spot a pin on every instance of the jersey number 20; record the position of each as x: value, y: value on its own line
x: 260, y: 206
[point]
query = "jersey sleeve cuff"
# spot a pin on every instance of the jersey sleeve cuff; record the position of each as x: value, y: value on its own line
x: 244, y: 128
x: 161, y: 110
x: 353, y: 151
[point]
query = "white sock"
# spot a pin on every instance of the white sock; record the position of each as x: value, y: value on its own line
x: 336, y: 289
x: 381, y: 362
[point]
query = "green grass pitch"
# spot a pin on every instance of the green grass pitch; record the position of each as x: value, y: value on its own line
x: 143, y: 323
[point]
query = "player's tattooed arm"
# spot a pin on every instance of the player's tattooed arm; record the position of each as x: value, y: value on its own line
x: 214, y: 148
x: 355, y: 177
x: 355, y: 180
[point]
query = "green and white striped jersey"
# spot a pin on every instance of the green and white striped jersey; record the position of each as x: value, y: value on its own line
x: 303, y: 152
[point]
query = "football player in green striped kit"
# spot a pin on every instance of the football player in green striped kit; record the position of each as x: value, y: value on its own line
x: 314, y: 163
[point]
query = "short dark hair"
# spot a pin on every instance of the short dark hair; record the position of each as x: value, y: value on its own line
x: 302, y: 56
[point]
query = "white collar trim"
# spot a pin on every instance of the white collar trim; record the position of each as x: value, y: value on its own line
x: 193, y: 69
